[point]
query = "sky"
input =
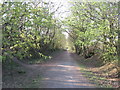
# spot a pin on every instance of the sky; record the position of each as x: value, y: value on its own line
x: 63, y: 11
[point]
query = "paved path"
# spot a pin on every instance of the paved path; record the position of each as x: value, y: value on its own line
x: 64, y: 72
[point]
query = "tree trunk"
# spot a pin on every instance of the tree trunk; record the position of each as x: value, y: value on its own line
x: 119, y: 32
x: 118, y: 41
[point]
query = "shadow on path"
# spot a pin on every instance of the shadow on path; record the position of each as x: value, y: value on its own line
x: 64, y: 72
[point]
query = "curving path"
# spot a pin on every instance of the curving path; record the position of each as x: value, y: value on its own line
x: 64, y: 72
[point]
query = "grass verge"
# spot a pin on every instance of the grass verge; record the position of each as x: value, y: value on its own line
x: 98, y: 78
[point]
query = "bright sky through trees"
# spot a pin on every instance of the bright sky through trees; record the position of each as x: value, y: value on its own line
x: 63, y: 12
x: 34, y: 30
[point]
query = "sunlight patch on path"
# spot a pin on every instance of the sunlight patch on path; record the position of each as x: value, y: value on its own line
x: 64, y: 73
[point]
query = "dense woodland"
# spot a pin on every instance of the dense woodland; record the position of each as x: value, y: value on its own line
x: 30, y: 30
x: 93, y: 28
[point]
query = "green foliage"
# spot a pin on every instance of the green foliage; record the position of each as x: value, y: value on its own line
x: 93, y: 27
x: 28, y: 30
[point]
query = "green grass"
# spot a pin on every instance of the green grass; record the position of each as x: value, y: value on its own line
x: 35, y: 61
x: 39, y: 60
x: 21, y: 71
x: 34, y: 82
x: 94, y: 78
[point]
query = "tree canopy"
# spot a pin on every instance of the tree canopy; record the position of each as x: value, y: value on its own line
x: 93, y: 27
x: 29, y: 29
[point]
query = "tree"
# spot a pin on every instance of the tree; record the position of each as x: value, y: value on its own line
x: 93, y: 27
x: 29, y: 30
